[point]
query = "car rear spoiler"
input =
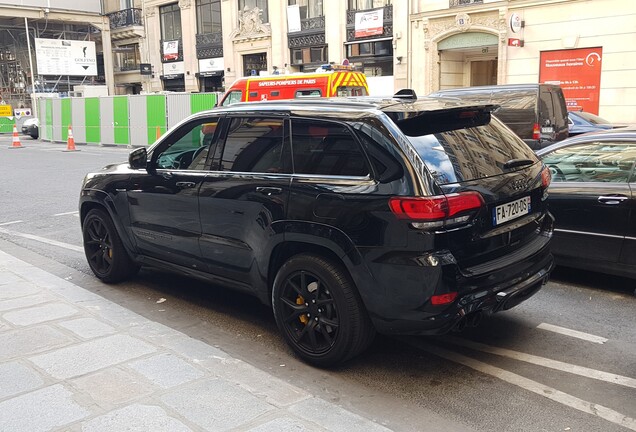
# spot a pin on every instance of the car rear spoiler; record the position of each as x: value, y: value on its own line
x: 444, y: 120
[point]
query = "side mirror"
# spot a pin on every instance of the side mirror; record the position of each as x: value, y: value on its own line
x: 138, y: 158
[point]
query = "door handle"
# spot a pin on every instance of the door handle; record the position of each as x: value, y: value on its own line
x: 612, y: 200
x: 269, y: 190
x: 167, y: 175
x: 185, y: 185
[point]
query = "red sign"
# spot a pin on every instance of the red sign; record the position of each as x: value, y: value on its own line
x: 515, y: 42
x: 578, y: 72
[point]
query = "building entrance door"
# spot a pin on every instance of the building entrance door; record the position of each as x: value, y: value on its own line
x: 483, y: 72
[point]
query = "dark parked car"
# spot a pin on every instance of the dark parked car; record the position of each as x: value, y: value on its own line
x: 537, y: 113
x: 346, y: 216
x: 593, y: 200
x: 31, y: 127
x: 583, y: 122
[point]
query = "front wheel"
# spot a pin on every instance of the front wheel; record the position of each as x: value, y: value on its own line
x: 104, y: 250
x: 319, y: 311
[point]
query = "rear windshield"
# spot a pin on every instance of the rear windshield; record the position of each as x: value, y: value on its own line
x: 594, y: 119
x: 471, y: 153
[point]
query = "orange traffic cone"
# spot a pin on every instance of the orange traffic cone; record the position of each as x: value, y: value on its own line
x: 70, y: 142
x: 16, y: 138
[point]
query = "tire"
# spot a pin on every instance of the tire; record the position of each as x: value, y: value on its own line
x: 104, y: 250
x: 319, y: 311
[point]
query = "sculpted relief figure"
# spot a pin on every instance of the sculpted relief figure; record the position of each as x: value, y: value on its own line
x: 250, y: 22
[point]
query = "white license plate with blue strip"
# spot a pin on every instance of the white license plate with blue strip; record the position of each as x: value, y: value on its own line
x: 509, y: 211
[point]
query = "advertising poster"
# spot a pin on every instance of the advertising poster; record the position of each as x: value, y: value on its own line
x: 293, y: 19
x: 369, y: 23
x: 65, y: 57
x: 171, y: 50
x: 578, y: 72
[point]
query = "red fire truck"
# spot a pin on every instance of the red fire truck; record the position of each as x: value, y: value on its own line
x: 327, y: 81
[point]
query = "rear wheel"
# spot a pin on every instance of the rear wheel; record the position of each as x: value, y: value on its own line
x: 319, y: 311
x: 104, y: 250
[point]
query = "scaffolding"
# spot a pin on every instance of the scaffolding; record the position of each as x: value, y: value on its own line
x: 15, y: 75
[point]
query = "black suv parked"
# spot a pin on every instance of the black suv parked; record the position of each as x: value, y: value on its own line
x: 347, y: 216
x: 535, y: 112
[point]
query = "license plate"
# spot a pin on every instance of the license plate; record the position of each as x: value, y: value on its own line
x: 512, y: 210
x: 547, y: 130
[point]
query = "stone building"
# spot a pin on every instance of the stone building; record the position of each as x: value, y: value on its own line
x: 586, y: 46
x: 204, y: 45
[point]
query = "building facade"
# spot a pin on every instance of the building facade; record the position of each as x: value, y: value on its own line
x: 202, y: 45
x: 586, y: 46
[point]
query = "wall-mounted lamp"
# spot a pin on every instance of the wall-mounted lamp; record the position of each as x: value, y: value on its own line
x: 398, y: 60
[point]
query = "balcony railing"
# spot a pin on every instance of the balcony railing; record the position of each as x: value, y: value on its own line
x: 125, y: 18
x: 459, y: 3
x: 209, y: 45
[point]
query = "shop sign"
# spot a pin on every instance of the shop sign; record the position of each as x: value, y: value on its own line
x: 145, y: 69
x: 211, y: 65
x: 369, y: 23
x: 578, y: 72
x: 516, y: 24
x: 173, y: 70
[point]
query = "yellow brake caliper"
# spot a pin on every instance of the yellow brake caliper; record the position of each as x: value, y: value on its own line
x: 303, y: 318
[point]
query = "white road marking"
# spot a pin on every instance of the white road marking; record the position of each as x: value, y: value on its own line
x: 67, y: 213
x: 43, y: 240
x: 549, y: 363
x: 574, y: 333
x: 11, y: 223
x: 535, y: 387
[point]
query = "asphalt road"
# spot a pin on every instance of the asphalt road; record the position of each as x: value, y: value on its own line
x: 563, y: 361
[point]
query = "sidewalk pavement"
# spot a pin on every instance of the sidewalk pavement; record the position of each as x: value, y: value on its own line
x: 71, y: 360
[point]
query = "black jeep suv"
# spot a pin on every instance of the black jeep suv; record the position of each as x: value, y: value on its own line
x: 347, y: 216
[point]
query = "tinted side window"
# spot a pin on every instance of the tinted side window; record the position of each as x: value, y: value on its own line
x: 592, y: 162
x: 255, y: 144
x: 326, y: 148
x: 189, y: 146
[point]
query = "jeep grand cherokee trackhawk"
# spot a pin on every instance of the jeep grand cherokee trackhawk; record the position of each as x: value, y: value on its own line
x: 348, y: 216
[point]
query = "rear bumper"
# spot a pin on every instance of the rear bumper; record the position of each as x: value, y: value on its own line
x: 482, y: 299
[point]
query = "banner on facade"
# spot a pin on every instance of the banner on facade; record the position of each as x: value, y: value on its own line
x: 293, y: 19
x: 171, y: 50
x: 369, y: 23
x: 578, y: 72
x: 65, y: 57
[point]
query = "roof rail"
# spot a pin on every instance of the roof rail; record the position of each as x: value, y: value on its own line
x: 405, y: 94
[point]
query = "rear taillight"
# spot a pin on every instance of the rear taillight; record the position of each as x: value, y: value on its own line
x: 546, y: 177
x: 443, y: 299
x: 437, y: 211
x: 536, y: 132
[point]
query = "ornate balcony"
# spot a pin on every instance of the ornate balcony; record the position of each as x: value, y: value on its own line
x: 209, y: 45
x: 125, y: 24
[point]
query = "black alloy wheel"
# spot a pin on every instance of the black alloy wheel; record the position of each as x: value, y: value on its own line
x: 104, y: 250
x: 319, y: 312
